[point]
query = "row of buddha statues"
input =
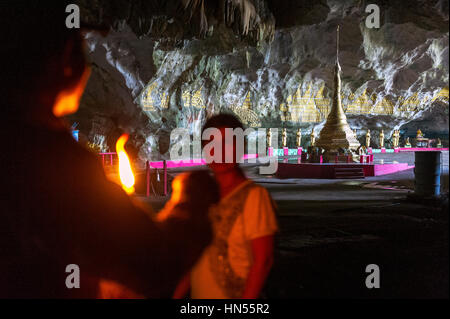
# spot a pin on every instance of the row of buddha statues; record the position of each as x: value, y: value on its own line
x: 284, y: 138
x: 395, y: 138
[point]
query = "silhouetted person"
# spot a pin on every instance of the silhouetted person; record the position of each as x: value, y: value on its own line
x: 57, y: 207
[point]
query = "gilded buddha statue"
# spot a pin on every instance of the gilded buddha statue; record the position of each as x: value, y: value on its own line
x: 381, y: 139
x: 284, y: 138
x: 395, y: 138
x: 407, y: 143
x: 368, y: 139
x: 313, y: 137
x: 419, y: 134
x: 299, y: 138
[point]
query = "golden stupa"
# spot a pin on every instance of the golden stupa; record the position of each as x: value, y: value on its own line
x: 336, y: 133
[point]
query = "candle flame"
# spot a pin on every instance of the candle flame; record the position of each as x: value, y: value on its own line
x: 125, y: 172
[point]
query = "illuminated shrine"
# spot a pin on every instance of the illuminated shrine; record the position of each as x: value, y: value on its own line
x: 339, y: 176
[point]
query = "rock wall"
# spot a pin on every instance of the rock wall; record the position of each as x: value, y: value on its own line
x: 394, y: 77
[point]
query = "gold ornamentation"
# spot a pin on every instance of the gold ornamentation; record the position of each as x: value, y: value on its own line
x: 384, y: 107
x: 151, y: 98
x: 193, y: 99
x: 410, y: 104
x: 245, y: 113
x: 442, y: 95
x: 247, y: 117
x: 285, y: 115
x: 305, y: 107
x: 164, y: 100
x: 361, y: 105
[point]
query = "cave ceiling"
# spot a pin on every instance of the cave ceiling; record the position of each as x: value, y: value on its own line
x: 168, y: 64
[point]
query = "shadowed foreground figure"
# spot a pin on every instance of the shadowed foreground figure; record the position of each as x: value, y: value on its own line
x: 57, y: 207
x: 240, y: 257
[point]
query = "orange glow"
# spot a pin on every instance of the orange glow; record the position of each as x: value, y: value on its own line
x: 67, y: 101
x: 125, y: 172
x: 177, y: 186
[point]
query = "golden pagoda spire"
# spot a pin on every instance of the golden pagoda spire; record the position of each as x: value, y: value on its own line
x: 336, y: 133
x: 337, y: 44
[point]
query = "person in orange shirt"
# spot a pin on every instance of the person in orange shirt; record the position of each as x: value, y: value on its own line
x: 240, y: 257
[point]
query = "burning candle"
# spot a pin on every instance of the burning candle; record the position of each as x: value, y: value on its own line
x: 125, y: 172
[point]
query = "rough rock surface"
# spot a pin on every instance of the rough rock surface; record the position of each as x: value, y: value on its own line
x: 394, y: 77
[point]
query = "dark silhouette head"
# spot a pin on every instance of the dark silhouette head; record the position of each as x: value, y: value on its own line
x: 43, y: 61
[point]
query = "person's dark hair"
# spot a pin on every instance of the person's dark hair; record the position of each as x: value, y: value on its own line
x: 34, y: 34
x: 222, y: 120
x: 226, y: 120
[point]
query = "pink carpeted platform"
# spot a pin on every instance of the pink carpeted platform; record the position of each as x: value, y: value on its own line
x: 327, y: 170
x: 422, y: 149
x: 177, y: 164
x: 189, y: 163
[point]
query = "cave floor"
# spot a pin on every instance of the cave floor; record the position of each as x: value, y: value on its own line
x: 330, y: 230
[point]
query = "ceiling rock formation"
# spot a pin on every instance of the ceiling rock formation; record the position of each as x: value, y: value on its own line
x: 158, y: 69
